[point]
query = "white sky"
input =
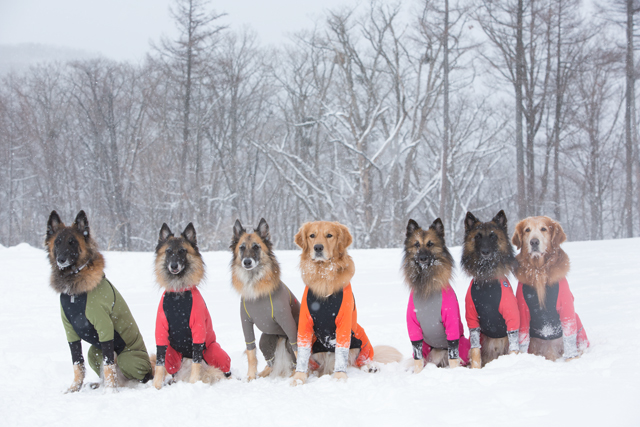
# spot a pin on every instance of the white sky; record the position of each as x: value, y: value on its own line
x: 122, y: 29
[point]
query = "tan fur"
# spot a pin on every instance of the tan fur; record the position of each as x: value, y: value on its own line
x: 492, y: 348
x: 438, y: 357
x: 549, y: 349
x: 334, y: 271
x: 193, y: 277
x: 208, y: 374
x: 544, y: 268
x: 247, y: 284
x: 386, y: 354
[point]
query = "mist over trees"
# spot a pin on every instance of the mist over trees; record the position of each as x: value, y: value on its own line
x: 377, y: 114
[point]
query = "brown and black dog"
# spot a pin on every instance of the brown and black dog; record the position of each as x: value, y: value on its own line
x: 549, y: 325
x: 92, y: 308
x: 265, y: 302
x: 491, y: 307
x: 328, y: 324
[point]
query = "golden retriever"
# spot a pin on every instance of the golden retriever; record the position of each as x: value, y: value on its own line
x: 547, y: 314
x: 326, y: 270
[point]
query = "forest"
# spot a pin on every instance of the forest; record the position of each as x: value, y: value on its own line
x: 379, y: 113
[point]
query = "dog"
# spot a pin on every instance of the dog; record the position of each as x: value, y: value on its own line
x: 265, y: 301
x: 183, y: 322
x: 433, y: 315
x: 92, y: 308
x: 549, y: 325
x: 328, y: 324
x: 491, y: 308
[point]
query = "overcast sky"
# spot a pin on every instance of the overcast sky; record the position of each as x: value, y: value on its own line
x: 122, y: 29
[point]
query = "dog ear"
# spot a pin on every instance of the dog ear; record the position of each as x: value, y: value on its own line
x: 81, y: 223
x: 300, y: 238
x: 500, y: 219
x: 238, y: 229
x: 516, y: 239
x: 189, y: 234
x: 165, y: 233
x: 438, y: 227
x: 263, y: 230
x: 54, y: 224
x: 412, y: 226
x: 344, y: 238
x: 469, y: 222
x: 557, y: 233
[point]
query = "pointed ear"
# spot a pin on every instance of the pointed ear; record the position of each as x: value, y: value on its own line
x: 238, y: 230
x: 263, y: 229
x: 165, y: 233
x: 516, y: 239
x: 557, y: 233
x: 189, y: 233
x: 438, y: 226
x: 300, y: 238
x: 469, y: 222
x: 81, y: 223
x: 412, y: 226
x: 54, y: 224
x: 500, y: 219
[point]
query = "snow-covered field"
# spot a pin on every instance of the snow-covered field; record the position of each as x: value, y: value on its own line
x: 600, y: 388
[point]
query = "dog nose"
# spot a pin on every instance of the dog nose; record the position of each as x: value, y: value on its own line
x: 534, y: 242
x: 422, y: 257
x: 318, y: 248
x: 62, y: 260
x: 247, y: 262
x: 174, y: 265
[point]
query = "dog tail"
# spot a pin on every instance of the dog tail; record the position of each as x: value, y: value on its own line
x: 282, y: 360
x: 386, y: 354
x: 210, y: 374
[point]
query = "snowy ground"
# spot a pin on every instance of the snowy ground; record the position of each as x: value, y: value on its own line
x: 601, y: 388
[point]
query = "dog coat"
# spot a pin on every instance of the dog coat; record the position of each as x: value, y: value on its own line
x: 183, y: 324
x: 435, y: 321
x: 331, y: 325
x: 557, y: 319
x: 102, y: 318
x: 492, y: 309
x: 273, y: 314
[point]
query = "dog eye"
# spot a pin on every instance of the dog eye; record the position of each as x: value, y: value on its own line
x: 429, y: 243
x: 313, y: 236
x: 478, y: 236
x: 71, y: 242
x: 416, y: 244
x: 543, y: 229
x: 329, y: 236
x: 242, y: 247
x: 493, y: 235
x: 527, y: 230
x: 255, y: 246
x: 181, y: 251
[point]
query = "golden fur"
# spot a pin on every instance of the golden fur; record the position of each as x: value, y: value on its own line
x: 331, y: 270
x: 260, y: 281
x: 68, y: 280
x: 549, y: 263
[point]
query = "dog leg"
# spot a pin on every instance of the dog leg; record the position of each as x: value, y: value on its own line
x: 110, y: 376
x: 253, y: 364
x: 78, y: 378
x: 418, y: 366
x: 476, y: 358
x: 299, y: 378
x: 340, y: 376
x: 158, y: 377
x: 454, y: 363
x: 195, y: 373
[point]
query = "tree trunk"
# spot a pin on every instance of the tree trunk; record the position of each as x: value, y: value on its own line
x: 520, y: 174
x: 629, y: 125
x: 444, y: 189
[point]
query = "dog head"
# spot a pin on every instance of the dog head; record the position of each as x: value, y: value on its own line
x: 322, y: 241
x: 250, y: 249
x: 486, y: 253
x: 76, y: 264
x: 179, y: 264
x: 538, y: 236
x: 427, y: 262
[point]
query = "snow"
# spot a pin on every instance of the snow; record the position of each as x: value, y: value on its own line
x: 600, y: 388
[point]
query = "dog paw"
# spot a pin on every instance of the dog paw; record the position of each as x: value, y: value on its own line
x: 340, y: 376
x: 418, y: 366
x: 299, y: 378
x: 265, y: 372
x: 369, y: 368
